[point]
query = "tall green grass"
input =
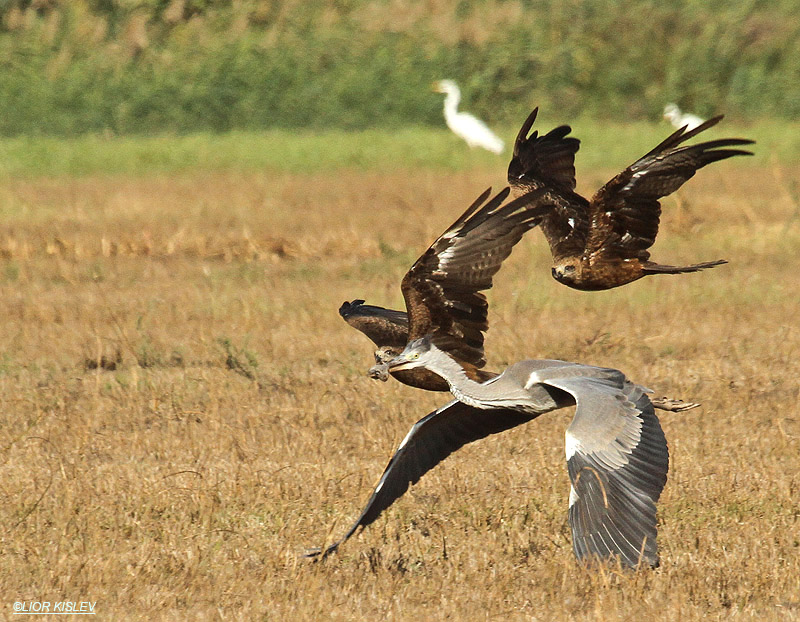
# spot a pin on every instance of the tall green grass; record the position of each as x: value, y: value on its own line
x: 202, y: 65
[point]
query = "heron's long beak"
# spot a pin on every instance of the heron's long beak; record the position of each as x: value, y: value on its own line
x: 400, y: 367
x: 399, y: 363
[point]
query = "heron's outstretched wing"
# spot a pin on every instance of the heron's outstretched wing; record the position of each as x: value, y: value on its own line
x: 385, y: 327
x: 443, y: 288
x: 430, y: 441
x: 617, y: 459
x: 625, y: 212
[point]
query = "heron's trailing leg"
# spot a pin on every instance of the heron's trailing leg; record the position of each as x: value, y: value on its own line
x: 673, y: 406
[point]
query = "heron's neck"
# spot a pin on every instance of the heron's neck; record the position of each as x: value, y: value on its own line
x: 463, y: 388
x: 499, y: 392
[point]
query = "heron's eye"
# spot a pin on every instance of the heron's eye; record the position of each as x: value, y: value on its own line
x: 414, y: 356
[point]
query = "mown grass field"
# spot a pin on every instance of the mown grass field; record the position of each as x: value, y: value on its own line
x: 183, y: 412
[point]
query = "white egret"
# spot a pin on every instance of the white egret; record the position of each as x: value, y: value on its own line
x: 463, y: 124
x: 680, y: 119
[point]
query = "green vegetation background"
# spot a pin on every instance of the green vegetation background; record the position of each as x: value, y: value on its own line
x: 125, y: 67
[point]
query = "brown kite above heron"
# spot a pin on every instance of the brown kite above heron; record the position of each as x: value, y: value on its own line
x: 602, y: 243
x: 443, y: 289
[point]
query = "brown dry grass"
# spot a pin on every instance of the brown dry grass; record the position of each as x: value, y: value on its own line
x: 183, y: 411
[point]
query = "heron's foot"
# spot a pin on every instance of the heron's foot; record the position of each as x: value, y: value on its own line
x: 379, y: 372
x: 672, y: 405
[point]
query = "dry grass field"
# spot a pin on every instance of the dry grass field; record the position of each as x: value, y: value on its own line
x: 183, y: 412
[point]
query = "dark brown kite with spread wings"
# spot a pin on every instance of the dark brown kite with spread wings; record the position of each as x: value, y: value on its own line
x: 442, y: 290
x: 602, y: 243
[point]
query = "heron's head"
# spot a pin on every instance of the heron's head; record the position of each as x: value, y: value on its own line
x: 444, y: 86
x: 416, y: 354
x: 670, y: 111
x: 567, y: 271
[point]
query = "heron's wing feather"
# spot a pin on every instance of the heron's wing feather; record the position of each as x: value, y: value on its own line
x: 385, y: 327
x: 625, y: 212
x: 617, y: 459
x: 443, y: 288
x: 430, y: 441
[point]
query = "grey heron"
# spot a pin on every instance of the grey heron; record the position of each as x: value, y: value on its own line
x: 464, y: 125
x: 602, y: 243
x: 616, y: 452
